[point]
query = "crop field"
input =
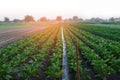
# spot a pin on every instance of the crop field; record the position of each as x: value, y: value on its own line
x: 14, y: 25
x: 63, y: 51
x: 10, y: 32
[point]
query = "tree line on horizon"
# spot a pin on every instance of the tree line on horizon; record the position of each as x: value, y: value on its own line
x: 29, y: 18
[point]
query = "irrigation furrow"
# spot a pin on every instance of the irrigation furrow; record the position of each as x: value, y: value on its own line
x: 82, y: 40
x: 85, y: 64
x: 65, y: 75
x: 91, y: 47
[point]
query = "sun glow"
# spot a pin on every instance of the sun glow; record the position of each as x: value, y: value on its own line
x: 65, y: 8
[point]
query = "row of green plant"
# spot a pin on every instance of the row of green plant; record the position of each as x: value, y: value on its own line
x: 71, y: 53
x: 7, y: 52
x: 15, y: 68
x: 35, y: 63
x: 54, y: 70
x: 112, y: 46
x: 107, y: 49
x: 99, y: 65
x: 106, y: 32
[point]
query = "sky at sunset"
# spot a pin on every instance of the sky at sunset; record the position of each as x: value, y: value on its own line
x: 66, y: 8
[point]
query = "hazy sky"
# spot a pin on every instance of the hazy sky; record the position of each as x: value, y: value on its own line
x: 66, y: 8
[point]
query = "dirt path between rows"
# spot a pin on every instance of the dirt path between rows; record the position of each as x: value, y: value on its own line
x: 8, y: 36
